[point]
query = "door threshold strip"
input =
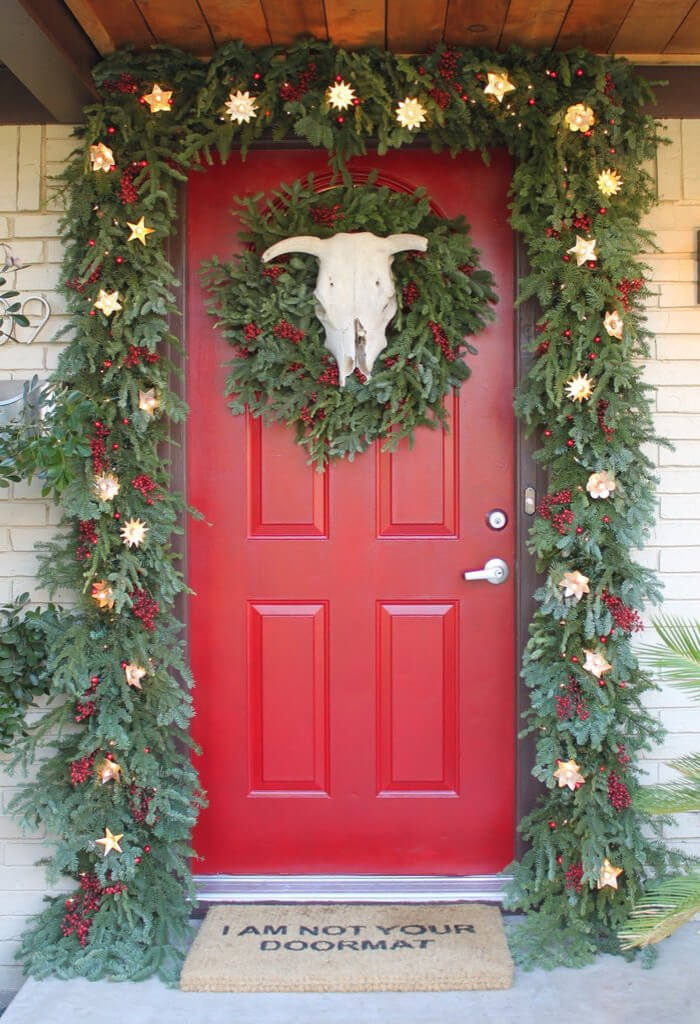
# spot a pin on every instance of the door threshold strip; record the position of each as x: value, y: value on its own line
x: 350, y: 888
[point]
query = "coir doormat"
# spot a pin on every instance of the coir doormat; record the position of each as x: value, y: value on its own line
x: 356, y: 947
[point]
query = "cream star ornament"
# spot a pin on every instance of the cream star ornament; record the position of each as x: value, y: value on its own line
x: 340, y: 95
x: 498, y: 85
x: 608, y: 875
x: 579, y: 388
x: 134, y: 673
x: 148, y: 401
x: 108, y: 771
x: 575, y: 585
x: 158, y: 99
x: 410, y: 113
x: 103, y: 594
x: 584, y: 250
x: 579, y: 117
x: 139, y: 231
x: 595, y: 663
x: 133, y: 533
x: 101, y: 157
x: 106, y: 486
x: 568, y: 773
x: 110, y: 842
x: 601, y: 485
x: 614, y: 324
x: 107, y: 302
x: 241, y: 106
x: 609, y: 182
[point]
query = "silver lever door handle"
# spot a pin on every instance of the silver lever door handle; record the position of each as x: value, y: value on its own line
x: 495, y: 571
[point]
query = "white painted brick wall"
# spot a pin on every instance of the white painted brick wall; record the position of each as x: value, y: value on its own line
x: 29, y: 221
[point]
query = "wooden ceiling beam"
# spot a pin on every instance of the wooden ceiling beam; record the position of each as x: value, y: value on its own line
x: 649, y: 25
x: 287, y: 19
x: 686, y: 39
x: 112, y: 25
x: 533, y: 25
x: 243, y: 20
x: 354, y: 26
x: 475, y: 22
x: 415, y: 27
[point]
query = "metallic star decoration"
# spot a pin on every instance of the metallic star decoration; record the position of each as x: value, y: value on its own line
x: 148, y: 401
x: 584, y: 250
x: 107, y: 302
x: 133, y: 533
x: 579, y: 117
x: 103, y: 594
x: 106, y: 486
x: 595, y: 663
x: 101, y: 157
x: 340, y: 95
x: 579, y: 388
x: 158, y: 99
x: 575, y: 585
x: 614, y: 324
x: 568, y: 773
x: 110, y: 842
x: 498, y: 86
x: 139, y: 231
x: 410, y: 113
x: 601, y: 485
x: 134, y: 673
x: 109, y: 771
x: 609, y: 182
x: 241, y: 106
x: 608, y: 875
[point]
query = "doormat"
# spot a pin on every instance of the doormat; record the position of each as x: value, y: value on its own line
x: 358, y: 947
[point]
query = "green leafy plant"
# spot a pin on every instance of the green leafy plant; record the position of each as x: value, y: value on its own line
x: 24, y: 643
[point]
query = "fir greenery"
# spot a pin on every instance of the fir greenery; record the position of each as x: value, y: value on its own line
x: 130, y: 910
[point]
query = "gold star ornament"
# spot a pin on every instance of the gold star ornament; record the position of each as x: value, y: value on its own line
x: 614, y: 324
x: 134, y: 673
x: 595, y: 663
x: 101, y: 157
x: 609, y: 182
x: 108, y: 771
x: 148, y: 401
x: 609, y: 875
x: 568, y: 773
x: 584, y: 250
x: 410, y: 113
x: 102, y: 593
x: 133, y: 533
x: 579, y: 118
x: 106, y: 486
x: 601, y: 485
x: 107, y: 302
x: 158, y: 99
x: 579, y: 388
x: 575, y: 585
x: 241, y: 106
x: 139, y: 231
x: 340, y: 95
x: 110, y: 842
x: 498, y: 86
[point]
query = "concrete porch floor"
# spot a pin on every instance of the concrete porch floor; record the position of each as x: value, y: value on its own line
x: 610, y: 991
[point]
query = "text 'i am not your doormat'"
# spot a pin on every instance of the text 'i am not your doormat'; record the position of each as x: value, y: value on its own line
x: 334, y: 947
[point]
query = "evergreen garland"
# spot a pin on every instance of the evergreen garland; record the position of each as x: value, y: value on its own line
x: 282, y: 371
x: 112, y: 402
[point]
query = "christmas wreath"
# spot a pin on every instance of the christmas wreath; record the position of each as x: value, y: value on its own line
x: 282, y: 371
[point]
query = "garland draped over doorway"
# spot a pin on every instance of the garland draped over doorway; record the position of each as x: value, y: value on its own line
x: 118, y: 789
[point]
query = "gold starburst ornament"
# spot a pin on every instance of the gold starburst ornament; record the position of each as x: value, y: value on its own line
x: 340, y: 95
x: 568, y: 773
x: 601, y: 485
x: 108, y: 771
x: 575, y: 585
x: 579, y: 117
x: 133, y: 533
x: 614, y: 324
x: 609, y: 182
x: 609, y: 875
x: 410, y: 113
x: 106, y: 486
x: 134, y: 673
x: 595, y: 664
x: 110, y: 842
x: 107, y: 302
x: 102, y: 593
x: 241, y: 107
x: 584, y: 250
x: 101, y: 157
x: 579, y: 388
x: 149, y: 401
x: 139, y: 231
x: 158, y: 99
x: 498, y: 85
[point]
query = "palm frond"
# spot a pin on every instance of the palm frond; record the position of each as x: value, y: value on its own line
x: 666, y: 905
x: 670, y: 798
x: 678, y: 655
x: 688, y: 765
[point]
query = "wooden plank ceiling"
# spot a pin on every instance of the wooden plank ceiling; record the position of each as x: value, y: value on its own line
x: 667, y: 29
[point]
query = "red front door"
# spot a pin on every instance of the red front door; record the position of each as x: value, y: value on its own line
x: 355, y: 696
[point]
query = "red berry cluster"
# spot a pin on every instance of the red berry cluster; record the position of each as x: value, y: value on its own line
x: 128, y: 193
x: 560, y: 518
x: 618, y: 793
x: 330, y: 375
x: 360, y: 376
x: 410, y: 293
x: 390, y: 361
x: 251, y: 331
x: 146, y: 486
x: 441, y: 340
x: 441, y: 97
x: 87, y: 537
x: 327, y: 215
x: 79, y: 286
x: 622, y: 756
x: 285, y: 330
x: 542, y: 348
x: 273, y: 272
x: 581, y: 222
x: 305, y: 416
x: 137, y: 353
x: 144, y: 608
x: 98, y: 446
x: 295, y: 92
x: 572, y: 702
x: 626, y: 618
x: 447, y: 66
x: 81, y: 770
x: 467, y: 268
x: 602, y: 409
x: 139, y: 802
x: 293, y: 367
x: 574, y: 876
x: 85, y: 707
x: 125, y: 83
x: 628, y: 287
x: 551, y: 233
x: 81, y: 909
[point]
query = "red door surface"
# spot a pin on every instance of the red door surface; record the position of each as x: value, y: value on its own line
x: 355, y: 696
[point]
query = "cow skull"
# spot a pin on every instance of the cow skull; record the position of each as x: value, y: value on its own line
x: 355, y: 293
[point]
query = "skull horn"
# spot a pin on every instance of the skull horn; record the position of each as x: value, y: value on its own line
x: 401, y: 243
x: 300, y: 243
